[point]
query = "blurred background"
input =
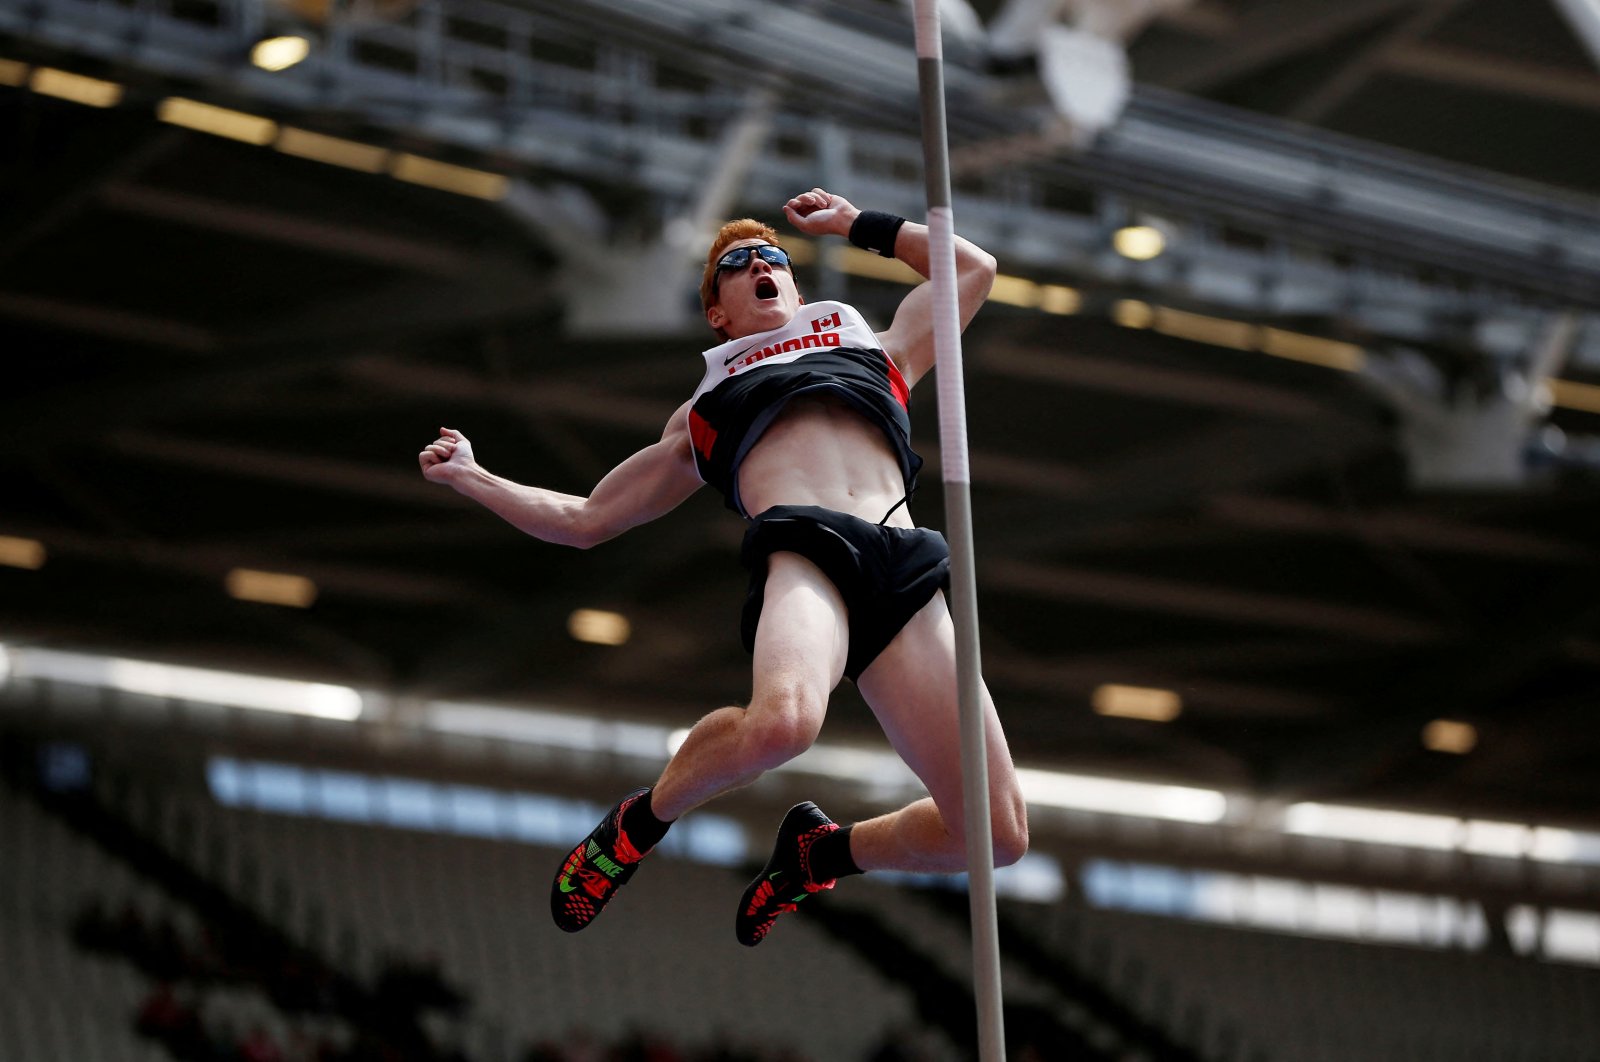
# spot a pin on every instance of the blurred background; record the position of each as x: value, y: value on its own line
x: 1285, y: 429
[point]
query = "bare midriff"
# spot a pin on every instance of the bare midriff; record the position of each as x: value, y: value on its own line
x: 821, y: 451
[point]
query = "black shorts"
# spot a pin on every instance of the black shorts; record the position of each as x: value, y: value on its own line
x: 885, y: 574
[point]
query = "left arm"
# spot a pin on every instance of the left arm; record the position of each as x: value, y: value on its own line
x: 909, y: 339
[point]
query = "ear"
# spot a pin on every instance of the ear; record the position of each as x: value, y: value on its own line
x: 715, y: 316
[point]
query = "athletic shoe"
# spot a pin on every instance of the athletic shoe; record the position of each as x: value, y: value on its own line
x: 600, y: 865
x: 786, y: 879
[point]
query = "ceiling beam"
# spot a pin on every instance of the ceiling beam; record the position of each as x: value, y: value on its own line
x: 1357, y: 71
x: 1268, y: 34
x: 108, y: 323
x: 1414, y: 530
x: 1076, y: 677
x: 1164, y: 475
x: 70, y: 182
x: 292, y: 467
x: 1494, y: 73
x: 289, y: 229
x: 368, y: 582
x: 404, y: 311
x: 1055, y: 582
x: 1142, y: 380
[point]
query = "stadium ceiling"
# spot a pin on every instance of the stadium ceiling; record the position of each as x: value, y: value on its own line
x: 1301, y: 469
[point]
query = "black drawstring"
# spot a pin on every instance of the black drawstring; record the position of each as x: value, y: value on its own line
x: 892, y: 508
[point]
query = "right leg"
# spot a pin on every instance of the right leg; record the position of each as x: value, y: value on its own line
x: 801, y: 645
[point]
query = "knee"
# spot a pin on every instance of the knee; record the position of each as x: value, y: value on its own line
x: 783, y: 723
x: 1010, y: 816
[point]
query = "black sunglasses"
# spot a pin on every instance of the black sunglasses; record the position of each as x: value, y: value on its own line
x: 739, y: 257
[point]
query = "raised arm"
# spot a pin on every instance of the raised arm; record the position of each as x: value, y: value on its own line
x: 649, y: 484
x: 909, y: 339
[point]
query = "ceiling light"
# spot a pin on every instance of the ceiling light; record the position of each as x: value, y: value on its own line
x: 90, y: 91
x: 1118, y: 797
x: 1058, y: 298
x: 271, y: 588
x: 1139, y: 242
x: 332, y: 150
x: 21, y: 553
x: 1509, y: 839
x: 218, y: 121
x: 1137, y: 702
x: 13, y: 73
x: 1131, y: 313
x: 1312, y: 349
x: 280, y: 53
x: 859, y: 263
x: 447, y: 177
x: 1201, y: 328
x: 1014, y: 291
x: 598, y: 627
x: 1448, y: 735
x: 1373, y: 825
x: 200, y: 685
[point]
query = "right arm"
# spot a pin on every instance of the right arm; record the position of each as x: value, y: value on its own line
x: 647, y: 485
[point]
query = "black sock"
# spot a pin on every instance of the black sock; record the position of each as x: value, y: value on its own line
x: 830, y: 856
x: 644, y: 830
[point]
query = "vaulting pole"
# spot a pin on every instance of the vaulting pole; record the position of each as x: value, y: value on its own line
x: 958, y: 520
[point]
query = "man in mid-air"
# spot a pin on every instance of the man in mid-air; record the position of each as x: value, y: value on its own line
x: 801, y: 423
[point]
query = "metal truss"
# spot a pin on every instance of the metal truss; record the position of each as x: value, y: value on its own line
x: 1265, y: 220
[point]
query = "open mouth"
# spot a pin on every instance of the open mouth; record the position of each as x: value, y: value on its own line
x: 766, y: 288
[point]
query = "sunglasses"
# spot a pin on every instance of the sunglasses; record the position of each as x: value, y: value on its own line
x: 739, y: 257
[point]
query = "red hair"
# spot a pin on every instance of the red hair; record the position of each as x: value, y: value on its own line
x: 732, y: 232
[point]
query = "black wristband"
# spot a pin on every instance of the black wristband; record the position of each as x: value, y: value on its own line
x: 874, y: 230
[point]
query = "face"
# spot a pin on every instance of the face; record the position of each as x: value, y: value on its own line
x: 756, y: 298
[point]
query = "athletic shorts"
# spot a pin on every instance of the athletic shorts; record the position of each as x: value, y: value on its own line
x: 885, y: 574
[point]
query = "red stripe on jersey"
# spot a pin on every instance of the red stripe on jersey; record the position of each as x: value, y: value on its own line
x: 701, y: 434
x: 897, y: 384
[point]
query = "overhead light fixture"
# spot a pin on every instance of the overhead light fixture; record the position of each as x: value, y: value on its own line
x: 598, y: 627
x: 1202, y: 328
x: 1119, y: 797
x: 218, y: 121
x: 1373, y: 825
x: 1449, y: 735
x: 859, y: 263
x: 271, y: 588
x: 331, y: 149
x: 76, y: 88
x: 21, y: 553
x: 13, y: 73
x: 176, y: 682
x: 1131, y: 313
x: 1014, y: 291
x: 1137, y: 702
x: 1139, y: 242
x: 448, y: 177
x: 280, y: 53
x: 1058, y: 298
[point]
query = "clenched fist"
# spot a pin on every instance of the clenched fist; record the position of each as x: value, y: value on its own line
x: 821, y: 213
x: 447, y: 456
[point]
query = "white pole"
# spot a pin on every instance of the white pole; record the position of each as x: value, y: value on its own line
x: 958, y: 519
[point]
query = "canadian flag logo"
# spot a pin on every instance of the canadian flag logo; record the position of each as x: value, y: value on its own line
x: 822, y: 324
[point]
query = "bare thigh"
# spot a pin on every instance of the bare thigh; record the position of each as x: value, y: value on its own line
x: 803, y: 637
x: 913, y: 691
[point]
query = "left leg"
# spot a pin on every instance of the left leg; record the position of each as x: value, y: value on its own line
x: 912, y: 689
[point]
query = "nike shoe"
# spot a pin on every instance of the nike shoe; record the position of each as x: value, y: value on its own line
x: 600, y: 865
x: 786, y: 879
